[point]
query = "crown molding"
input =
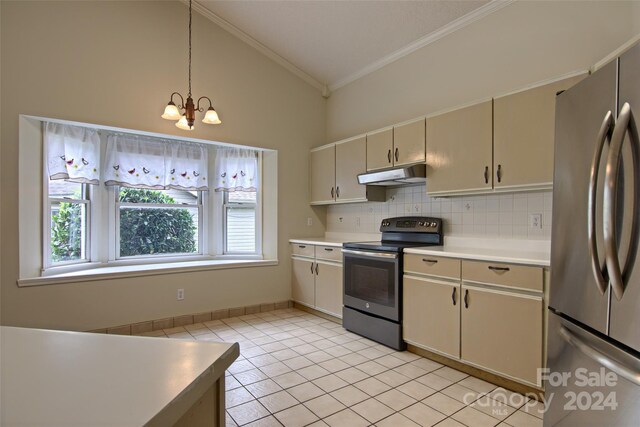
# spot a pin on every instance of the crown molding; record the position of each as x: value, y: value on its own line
x: 237, y: 32
x: 463, y: 21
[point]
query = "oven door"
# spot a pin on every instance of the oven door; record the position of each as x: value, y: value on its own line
x: 372, y: 282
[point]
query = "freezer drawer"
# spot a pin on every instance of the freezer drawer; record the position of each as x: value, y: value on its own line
x: 613, y: 401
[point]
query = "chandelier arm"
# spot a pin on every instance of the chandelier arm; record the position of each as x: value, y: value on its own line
x: 201, y: 109
x: 181, y: 99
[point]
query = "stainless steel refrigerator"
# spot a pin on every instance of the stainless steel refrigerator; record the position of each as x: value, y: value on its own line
x: 594, y: 302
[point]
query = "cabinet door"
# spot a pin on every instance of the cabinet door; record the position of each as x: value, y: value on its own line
x: 524, y: 135
x: 502, y: 332
x: 408, y: 143
x: 351, y: 160
x: 303, y: 281
x: 431, y: 314
x: 323, y: 175
x: 459, y: 150
x: 380, y: 149
x: 329, y: 288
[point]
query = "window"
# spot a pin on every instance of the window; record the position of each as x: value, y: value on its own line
x: 158, y: 222
x: 240, y: 222
x: 113, y: 198
x: 67, y: 237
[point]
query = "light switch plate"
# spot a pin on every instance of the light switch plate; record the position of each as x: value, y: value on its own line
x: 309, y: 222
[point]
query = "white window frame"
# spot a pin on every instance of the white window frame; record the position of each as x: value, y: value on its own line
x: 100, y: 245
x: 202, y: 233
x: 47, y: 201
x: 225, y: 205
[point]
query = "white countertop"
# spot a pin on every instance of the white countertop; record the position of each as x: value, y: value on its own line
x: 59, y: 378
x: 336, y: 239
x: 528, y: 252
x: 513, y: 251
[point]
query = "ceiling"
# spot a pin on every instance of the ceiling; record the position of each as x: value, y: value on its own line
x: 335, y: 42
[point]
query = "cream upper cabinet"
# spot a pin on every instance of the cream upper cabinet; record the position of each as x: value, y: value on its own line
x: 380, y: 149
x: 323, y: 174
x: 351, y: 160
x: 523, y: 140
x: 459, y: 150
x: 409, y: 142
x: 303, y: 281
x: 431, y: 314
x: 329, y: 288
x: 502, y: 332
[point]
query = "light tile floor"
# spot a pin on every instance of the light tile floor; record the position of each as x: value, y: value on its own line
x: 296, y: 369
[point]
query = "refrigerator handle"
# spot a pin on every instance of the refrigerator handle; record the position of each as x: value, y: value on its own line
x: 599, y: 270
x: 625, y: 122
x: 629, y: 373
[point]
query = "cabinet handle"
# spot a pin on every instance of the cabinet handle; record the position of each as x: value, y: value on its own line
x: 453, y: 296
x: 389, y: 155
x: 328, y: 249
x: 466, y: 298
x: 338, y: 192
x: 316, y: 268
x: 311, y: 268
x: 492, y: 268
x: 486, y: 174
x: 430, y: 261
x: 332, y: 192
x: 499, y: 173
x: 397, y: 154
x: 301, y: 246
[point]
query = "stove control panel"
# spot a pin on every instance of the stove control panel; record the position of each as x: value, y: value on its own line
x: 411, y: 224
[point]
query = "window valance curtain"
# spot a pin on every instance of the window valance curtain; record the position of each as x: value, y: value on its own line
x: 73, y: 153
x: 236, y: 169
x: 143, y: 162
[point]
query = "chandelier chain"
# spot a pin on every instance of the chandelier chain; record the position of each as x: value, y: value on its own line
x: 189, y: 48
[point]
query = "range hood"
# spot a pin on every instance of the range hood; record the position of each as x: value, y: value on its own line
x: 414, y: 174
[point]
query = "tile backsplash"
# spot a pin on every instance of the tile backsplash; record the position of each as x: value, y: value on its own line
x: 493, y: 215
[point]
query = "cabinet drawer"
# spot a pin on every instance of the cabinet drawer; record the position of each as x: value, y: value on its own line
x: 330, y: 253
x: 303, y: 249
x: 434, y: 266
x: 515, y: 276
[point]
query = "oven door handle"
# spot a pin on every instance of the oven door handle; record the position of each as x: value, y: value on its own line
x: 370, y: 254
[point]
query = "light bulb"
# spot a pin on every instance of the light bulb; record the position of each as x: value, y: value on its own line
x: 182, y: 124
x: 171, y: 112
x: 211, y: 117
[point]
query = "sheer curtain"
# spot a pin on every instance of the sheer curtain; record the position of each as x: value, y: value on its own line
x: 73, y: 153
x: 236, y: 169
x: 144, y: 162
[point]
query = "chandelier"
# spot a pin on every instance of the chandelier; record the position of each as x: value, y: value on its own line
x: 185, y: 114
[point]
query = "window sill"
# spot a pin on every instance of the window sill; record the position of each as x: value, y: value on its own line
x: 128, y: 271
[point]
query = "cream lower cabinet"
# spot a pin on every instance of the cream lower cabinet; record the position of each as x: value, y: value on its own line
x: 328, y: 290
x: 431, y: 314
x: 303, y: 287
x: 502, y: 332
x: 316, y: 277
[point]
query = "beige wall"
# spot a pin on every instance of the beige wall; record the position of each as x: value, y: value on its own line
x: 523, y: 43
x: 115, y: 63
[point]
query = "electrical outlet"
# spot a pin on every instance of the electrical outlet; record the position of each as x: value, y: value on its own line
x: 309, y: 222
x: 180, y: 295
x: 535, y: 221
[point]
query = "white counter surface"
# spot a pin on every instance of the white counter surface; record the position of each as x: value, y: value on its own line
x: 527, y: 252
x: 58, y: 378
x: 514, y: 251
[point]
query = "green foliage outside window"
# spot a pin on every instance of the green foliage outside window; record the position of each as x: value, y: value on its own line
x: 66, y: 229
x: 149, y: 231
x: 143, y: 231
